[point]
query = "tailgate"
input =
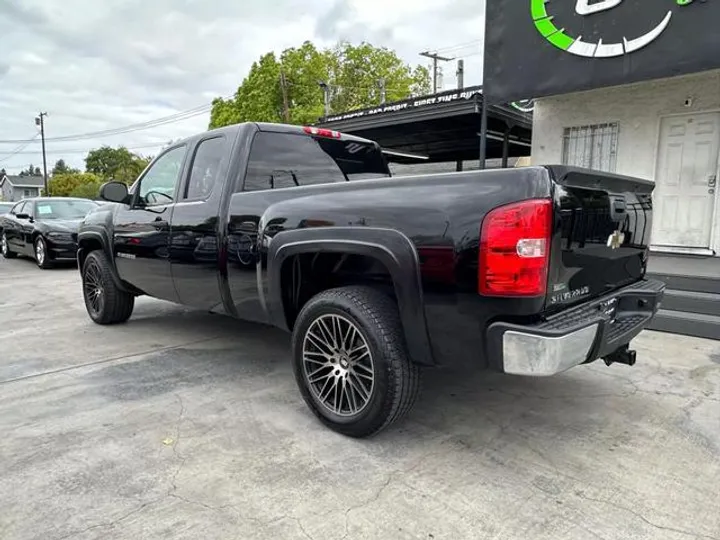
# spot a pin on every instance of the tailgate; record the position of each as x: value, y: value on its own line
x: 605, y: 226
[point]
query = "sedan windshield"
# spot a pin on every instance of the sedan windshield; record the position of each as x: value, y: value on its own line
x: 68, y: 209
x: 5, y: 208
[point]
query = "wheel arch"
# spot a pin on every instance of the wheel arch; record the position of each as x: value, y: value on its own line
x: 89, y: 241
x: 390, y: 248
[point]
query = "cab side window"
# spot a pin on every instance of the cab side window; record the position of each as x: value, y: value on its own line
x: 158, y: 185
x: 205, y: 172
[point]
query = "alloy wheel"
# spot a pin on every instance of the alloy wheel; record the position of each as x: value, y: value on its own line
x: 93, y: 288
x: 4, y: 244
x: 40, y: 251
x: 338, y: 365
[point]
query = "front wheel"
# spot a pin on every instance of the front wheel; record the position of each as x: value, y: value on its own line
x: 42, y: 258
x: 6, y: 253
x: 351, y: 363
x: 105, y: 302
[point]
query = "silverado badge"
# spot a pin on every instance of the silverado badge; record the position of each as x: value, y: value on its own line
x: 615, y: 240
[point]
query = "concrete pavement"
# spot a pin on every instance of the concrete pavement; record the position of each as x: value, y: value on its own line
x: 186, y: 425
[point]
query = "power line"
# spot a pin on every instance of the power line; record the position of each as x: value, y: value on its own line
x: 177, y: 117
x: 19, y: 149
x: 79, y: 151
x: 460, y: 46
x: 435, y: 57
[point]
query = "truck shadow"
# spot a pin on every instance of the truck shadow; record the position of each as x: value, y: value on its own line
x: 466, y: 405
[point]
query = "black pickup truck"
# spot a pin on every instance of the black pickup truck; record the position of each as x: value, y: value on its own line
x: 527, y: 271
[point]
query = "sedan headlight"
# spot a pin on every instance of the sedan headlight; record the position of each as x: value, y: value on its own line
x: 60, y: 236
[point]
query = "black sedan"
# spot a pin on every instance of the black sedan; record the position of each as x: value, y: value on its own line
x: 44, y: 228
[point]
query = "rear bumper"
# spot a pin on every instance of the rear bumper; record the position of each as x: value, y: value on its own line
x: 575, y: 336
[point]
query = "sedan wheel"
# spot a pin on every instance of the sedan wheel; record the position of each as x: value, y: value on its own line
x: 41, y: 254
x: 6, y: 253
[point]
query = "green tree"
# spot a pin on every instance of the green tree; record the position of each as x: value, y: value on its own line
x: 304, y: 68
x: 115, y: 163
x: 358, y: 70
x: 69, y: 184
x: 90, y: 190
x: 62, y: 168
x: 31, y: 171
x: 287, y: 89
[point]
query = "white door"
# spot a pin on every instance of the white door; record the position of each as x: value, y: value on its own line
x: 686, y: 181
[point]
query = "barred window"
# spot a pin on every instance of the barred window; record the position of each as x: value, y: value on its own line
x: 592, y: 147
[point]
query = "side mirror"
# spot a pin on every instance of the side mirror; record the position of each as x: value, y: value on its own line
x: 114, y: 192
x: 22, y: 216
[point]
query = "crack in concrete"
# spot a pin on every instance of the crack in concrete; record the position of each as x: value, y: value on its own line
x: 113, y: 522
x: 172, y: 492
x: 391, y: 477
x: 108, y: 360
x: 646, y: 520
x: 523, y: 395
x: 368, y: 502
x: 178, y: 433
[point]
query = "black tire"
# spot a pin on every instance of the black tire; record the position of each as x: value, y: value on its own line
x: 396, y: 379
x: 6, y: 253
x: 40, y: 253
x: 111, y: 305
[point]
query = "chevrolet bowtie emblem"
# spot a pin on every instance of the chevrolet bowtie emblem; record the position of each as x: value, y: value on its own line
x: 615, y: 240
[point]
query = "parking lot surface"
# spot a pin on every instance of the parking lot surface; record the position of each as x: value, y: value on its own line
x: 186, y: 425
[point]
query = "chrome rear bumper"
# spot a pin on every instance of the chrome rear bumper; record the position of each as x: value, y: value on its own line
x: 575, y: 336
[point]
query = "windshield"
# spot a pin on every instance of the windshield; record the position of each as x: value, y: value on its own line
x: 5, y: 207
x: 67, y: 209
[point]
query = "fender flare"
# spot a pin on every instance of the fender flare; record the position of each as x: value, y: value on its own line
x: 100, y: 236
x: 395, y: 250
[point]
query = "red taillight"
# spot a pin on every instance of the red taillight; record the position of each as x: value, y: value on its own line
x: 514, y: 249
x: 319, y: 132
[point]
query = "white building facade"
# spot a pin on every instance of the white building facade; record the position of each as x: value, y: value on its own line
x: 667, y: 131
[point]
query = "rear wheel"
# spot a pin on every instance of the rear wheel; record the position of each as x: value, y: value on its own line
x: 42, y: 257
x: 6, y: 253
x: 105, y: 302
x: 351, y: 363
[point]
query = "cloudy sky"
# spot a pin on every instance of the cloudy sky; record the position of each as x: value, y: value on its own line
x: 97, y: 65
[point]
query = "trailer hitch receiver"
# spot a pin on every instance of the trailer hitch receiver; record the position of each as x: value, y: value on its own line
x: 621, y: 356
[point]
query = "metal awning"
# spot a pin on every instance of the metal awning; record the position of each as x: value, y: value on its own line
x: 440, y: 128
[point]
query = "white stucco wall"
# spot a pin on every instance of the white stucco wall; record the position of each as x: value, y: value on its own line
x: 637, y: 108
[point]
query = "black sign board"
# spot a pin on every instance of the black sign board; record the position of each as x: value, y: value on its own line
x: 539, y: 48
x: 413, y: 103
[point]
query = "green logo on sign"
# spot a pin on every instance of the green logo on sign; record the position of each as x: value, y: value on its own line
x: 576, y: 45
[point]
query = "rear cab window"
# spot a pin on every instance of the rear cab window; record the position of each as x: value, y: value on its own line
x: 283, y: 160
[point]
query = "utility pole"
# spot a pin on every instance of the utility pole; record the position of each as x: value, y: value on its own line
x: 326, y: 89
x: 461, y: 74
x: 435, y: 57
x: 286, y: 106
x: 40, y: 121
x: 460, y: 85
x: 383, y: 92
x: 483, y: 131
